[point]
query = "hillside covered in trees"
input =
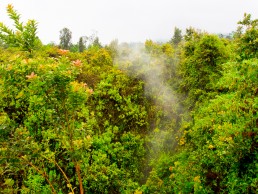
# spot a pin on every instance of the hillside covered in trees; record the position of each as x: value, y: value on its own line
x: 173, y: 117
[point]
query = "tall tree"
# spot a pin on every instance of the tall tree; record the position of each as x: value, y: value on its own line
x: 65, y: 38
x: 177, y: 37
x: 82, y: 43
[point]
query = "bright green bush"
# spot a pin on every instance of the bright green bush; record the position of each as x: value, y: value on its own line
x: 246, y: 38
x: 59, y: 135
x: 219, y: 147
x: 200, y: 66
x: 25, y: 35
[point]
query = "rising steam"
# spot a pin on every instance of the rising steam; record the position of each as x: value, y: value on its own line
x: 155, y: 72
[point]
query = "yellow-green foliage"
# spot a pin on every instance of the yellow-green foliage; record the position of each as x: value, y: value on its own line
x: 59, y: 133
x: 218, y: 150
x: 24, y: 36
x: 200, y: 65
x: 73, y: 123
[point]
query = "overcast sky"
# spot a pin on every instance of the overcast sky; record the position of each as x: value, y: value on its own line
x: 129, y: 20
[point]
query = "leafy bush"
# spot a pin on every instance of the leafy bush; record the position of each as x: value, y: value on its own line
x: 60, y: 128
x: 25, y: 35
x: 219, y: 147
x: 200, y: 66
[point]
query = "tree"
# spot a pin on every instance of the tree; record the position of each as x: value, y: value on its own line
x: 93, y: 41
x: 177, y: 37
x: 96, y: 43
x: 153, y: 48
x: 200, y: 65
x: 246, y: 38
x: 24, y: 36
x: 82, y: 43
x: 113, y: 48
x: 74, y: 47
x: 65, y: 38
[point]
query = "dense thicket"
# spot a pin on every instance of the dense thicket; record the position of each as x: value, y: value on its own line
x: 176, y: 117
x: 218, y: 150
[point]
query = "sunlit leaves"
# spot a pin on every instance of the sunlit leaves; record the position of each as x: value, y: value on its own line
x: 51, y: 121
x: 247, y: 41
x: 223, y: 135
x: 24, y: 37
x: 200, y: 66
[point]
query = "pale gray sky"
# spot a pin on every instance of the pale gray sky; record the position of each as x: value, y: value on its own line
x: 129, y: 20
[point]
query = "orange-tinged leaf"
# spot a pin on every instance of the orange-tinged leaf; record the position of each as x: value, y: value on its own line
x: 77, y: 63
x: 31, y: 76
x: 63, y: 52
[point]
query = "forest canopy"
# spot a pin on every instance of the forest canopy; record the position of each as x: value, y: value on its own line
x: 171, y: 117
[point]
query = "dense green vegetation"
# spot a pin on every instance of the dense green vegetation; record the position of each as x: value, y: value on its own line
x: 175, y: 117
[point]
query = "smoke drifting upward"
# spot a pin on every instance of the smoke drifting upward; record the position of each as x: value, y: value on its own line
x: 156, y: 72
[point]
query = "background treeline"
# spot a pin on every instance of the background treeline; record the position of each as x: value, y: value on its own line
x: 175, y: 117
